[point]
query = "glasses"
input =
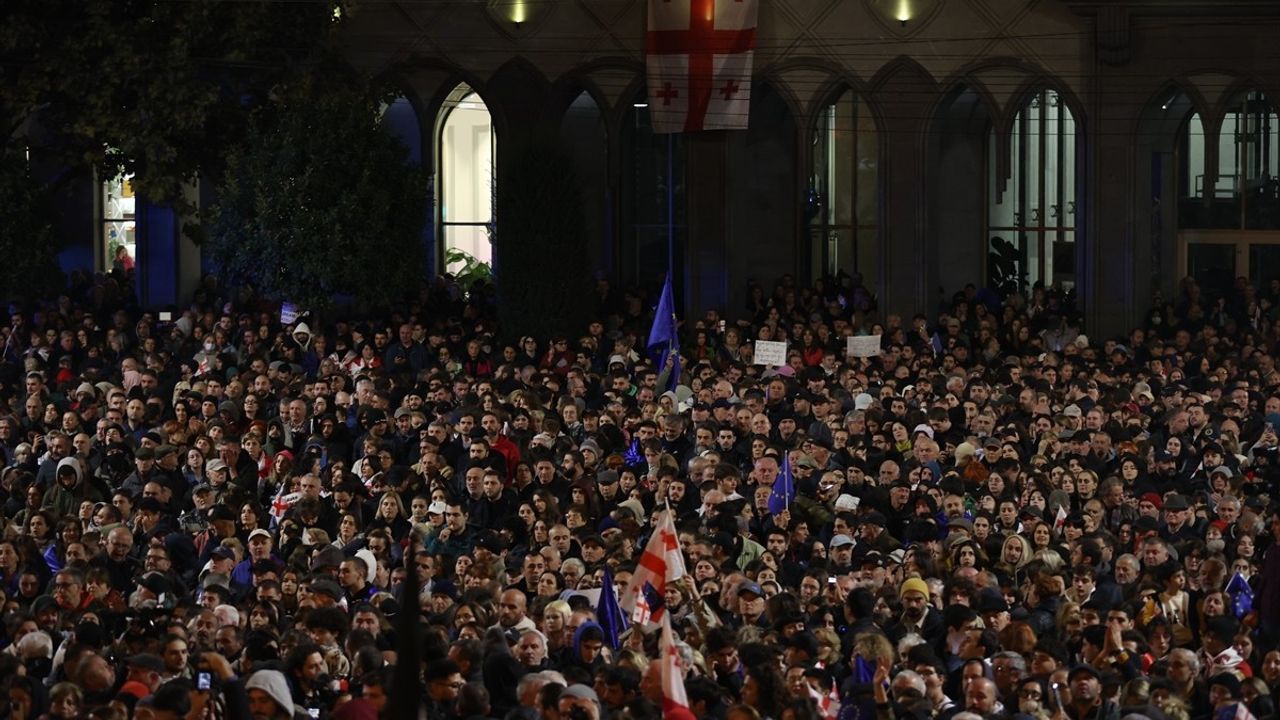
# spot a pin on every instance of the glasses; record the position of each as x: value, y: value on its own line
x: 1029, y: 694
x: 456, y: 685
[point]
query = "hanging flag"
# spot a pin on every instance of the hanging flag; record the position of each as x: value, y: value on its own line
x: 1241, y: 595
x: 673, y: 694
x: 784, y: 488
x: 660, y: 563
x: 698, y: 56
x: 664, y: 341
x: 608, y: 612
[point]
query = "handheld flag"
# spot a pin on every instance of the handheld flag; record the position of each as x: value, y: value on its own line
x: 660, y: 563
x: 784, y: 488
x: 673, y: 694
x: 633, y: 456
x: 608, y: 612
x: 1060, y: 520
x: 1241, y: 595
x: 664, y: 341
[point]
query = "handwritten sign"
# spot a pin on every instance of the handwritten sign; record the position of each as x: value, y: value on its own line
x: 770, y: 353
x: 863, y: 345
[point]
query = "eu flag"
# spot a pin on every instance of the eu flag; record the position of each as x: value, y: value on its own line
x: 1241, y: 595
x: 608, y: 612
x: 663, y: 340
x: 784, y: 487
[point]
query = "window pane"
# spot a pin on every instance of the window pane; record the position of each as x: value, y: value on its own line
x: 868, y: 157
x: 1192, y: 209
x: 471, y: 239
x: 466, y: 149
x: 1264, y: 265
x: 1213, y: 267
x: 1036, y: 212
x: 119, y: 223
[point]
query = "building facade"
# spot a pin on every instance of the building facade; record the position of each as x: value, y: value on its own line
x: 1110, y: 146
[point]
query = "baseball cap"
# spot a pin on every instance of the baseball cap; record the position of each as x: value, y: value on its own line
x: 841, y: 540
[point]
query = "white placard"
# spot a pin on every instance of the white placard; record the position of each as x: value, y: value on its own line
x: 288, y: 313
x: 770, y: 353
x: 863, y: 345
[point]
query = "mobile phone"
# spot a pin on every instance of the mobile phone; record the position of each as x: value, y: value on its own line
x: 314, y: 712
x: 202, y: 681
x: 166, y: 316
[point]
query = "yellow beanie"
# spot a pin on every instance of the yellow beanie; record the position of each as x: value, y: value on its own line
x: 916, y: 584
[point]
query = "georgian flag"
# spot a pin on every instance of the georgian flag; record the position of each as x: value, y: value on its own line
x: 660, y: 563
x: 698, y: 57
x: 673, y: 694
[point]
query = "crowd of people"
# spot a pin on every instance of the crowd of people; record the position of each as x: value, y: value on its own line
x: 209, y: 513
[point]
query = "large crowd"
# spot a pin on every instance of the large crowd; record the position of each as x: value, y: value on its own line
x: 211, y: 513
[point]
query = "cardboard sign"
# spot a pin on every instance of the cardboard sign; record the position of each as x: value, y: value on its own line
x: 770, y: 353
x: 863, y: 345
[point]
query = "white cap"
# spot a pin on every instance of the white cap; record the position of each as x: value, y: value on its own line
x: 847, y: 502
x: 436, y: 508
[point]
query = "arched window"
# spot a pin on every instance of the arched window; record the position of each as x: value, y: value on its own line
x: 842, y: 207
x: 466, y: 178
x: 1031, y: 209
x: 1229, y: 205
x: 1242, y: 193
x: 654, y: 204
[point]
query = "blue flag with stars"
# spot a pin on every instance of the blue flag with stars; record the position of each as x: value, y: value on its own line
x: 784, y: 488
x: 1241, y: 595
x: 663, y: 340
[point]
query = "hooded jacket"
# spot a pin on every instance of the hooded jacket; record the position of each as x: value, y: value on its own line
x: 63, y: 501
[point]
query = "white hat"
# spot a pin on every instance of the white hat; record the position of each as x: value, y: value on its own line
x: 862, y: 401
x: 436, y: 508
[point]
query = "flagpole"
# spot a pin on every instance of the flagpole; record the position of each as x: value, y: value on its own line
x: 671, y: 213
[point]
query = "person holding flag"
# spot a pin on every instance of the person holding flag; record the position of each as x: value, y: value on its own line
x: 784, y: 488
x: 660, y: 563
x: 608, y: 612
x: 664, y: 341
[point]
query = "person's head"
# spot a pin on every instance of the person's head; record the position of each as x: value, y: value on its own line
x: 269, y: 696
x: 443, y: 679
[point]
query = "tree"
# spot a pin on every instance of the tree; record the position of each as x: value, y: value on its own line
x: 28, y: 242
x: 157, y: 88
x: 320, y: 201
x: 542, y: 240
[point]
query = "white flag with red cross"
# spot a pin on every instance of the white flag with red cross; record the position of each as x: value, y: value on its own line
x: 698, y: 56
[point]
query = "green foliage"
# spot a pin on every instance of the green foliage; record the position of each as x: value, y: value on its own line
x: 28, y: 243
x: 541, y: 237
x: 466, y: 268
x: 320, y: 201
x: 158, y: 89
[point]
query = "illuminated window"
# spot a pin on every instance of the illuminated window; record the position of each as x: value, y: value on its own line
x: 119, y: 224
x: 843, y: 197
x: 1031, y: 216
x: 466, y: 177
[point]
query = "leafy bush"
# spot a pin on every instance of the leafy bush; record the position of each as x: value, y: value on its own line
x: 320, y: 201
